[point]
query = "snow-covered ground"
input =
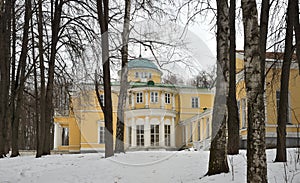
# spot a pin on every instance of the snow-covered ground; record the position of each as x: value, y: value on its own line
x: 141, y: 167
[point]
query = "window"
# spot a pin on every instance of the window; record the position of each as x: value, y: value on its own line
x: 102, y: 99
x: 167, y: 135
x: 139, y: 97
x: 144, y: 75
x: 150, y: 75
x: 140, y: 135
x: 101, y: 134
x: 167, y: 98
x: 277, y: 106
x: 154, y: 135
x: 199, y: 128
x: 207, y: 128
x: 195, y: 102
x: 136, y: 75
x: 244, y: 113
x: 154, y: 97
x: 65, y: 136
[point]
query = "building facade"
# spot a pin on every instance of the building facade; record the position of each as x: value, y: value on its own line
x: 197, y: 133
x: 153, y: 113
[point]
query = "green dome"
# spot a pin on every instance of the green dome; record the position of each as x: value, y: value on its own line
x: 141, y: 63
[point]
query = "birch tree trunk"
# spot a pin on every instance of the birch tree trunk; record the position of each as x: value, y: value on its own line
x: 124, y: 84
x: 218, y: 155
x: 102, y: 10
x: 282, y: 113
x: 256, y: 147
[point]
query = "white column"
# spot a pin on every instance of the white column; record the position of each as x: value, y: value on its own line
x: 133, y: 132
x: 147, y: 131
x: 56, y: 134
x: 162, y: 100
x: 162, y: 132
x: 146, y: 99
x: 132, y: 100
x: 173, y: 101
x: 127, y: 145
x: 172, y: 132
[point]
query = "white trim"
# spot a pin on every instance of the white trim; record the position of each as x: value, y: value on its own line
x: 167, y: 122
x: 139, y: 121
x: 154, y: 121
x: 149, y: 112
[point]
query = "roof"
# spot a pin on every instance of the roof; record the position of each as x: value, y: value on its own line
x: 141, y: 63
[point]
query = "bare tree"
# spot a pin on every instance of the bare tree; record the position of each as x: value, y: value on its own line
x: 5, y: 27
x: 20, y: 84
x: 297, y: 32
x: 218, y: 154
x: 103, y: 19
x: 282, y: 113
x: 124, y: 84
x: 233, y: 118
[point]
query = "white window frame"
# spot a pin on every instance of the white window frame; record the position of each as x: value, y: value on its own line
x: 139, y: 97
x: 137, y: 74
x: 101, y: 135
x: 167, y: 135
x: 195, y: 102
x: 167, y: 98
x: 140, y: 135
x: 102, y: 99
x: 65, y: 136
x: 154, y: 134
x: 154, y: 97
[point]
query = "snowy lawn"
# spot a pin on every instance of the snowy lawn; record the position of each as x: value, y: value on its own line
x: 142, y: 167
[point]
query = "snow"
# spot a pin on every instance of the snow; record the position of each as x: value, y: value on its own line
x: 142, y: 166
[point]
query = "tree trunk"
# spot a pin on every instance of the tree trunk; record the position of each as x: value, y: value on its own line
x: 282, y: 113
x: 55, y: 24
x: 5, y: 27
x: 218, y: 155
x: 256, y: 147
x: 102, y: 10
x: 233, y: 117
x: 20, y: 89
x: 124, y: 84
x: 297, y: 32
x: 40, y: 133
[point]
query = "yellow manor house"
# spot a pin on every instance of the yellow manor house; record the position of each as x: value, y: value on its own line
x: 152, y: 114
x: 166, y: 116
